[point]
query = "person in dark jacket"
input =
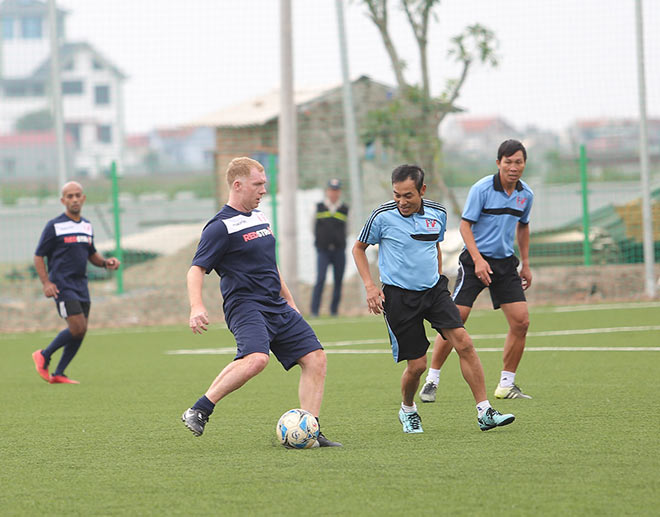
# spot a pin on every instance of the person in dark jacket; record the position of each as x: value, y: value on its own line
x: 330, y: 241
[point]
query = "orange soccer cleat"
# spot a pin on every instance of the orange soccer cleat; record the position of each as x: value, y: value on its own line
x: 41, y: 365
x: 62, y: 379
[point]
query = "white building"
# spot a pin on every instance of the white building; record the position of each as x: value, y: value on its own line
x: 91, y: 85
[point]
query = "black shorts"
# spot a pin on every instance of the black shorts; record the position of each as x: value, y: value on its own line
x: 505, y: 287
x: 67, y: 308
x: 405, y: 312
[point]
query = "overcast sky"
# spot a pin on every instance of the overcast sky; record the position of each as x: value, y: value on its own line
x: 559, y: 60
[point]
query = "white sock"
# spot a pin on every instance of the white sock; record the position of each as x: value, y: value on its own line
x: 507, y: 379
x: 409, y: 409
x: 433, y: 376
x: 482, y: 407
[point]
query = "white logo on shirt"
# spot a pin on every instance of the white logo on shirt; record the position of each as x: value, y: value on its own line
x: 241, y: 222
x: 69, y: 227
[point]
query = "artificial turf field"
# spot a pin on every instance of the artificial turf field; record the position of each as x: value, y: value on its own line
x: 587, y: 444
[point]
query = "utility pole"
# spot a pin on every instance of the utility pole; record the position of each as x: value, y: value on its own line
x: 350, y: 131
x: 647, y: 222
x: 56, y: 92
x: 288, y: 151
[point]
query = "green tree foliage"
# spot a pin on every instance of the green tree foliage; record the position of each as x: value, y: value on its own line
x: 409, y: 124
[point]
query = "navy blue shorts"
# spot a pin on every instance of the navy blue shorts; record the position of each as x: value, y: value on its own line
x: 285, y: 334
x: 505, y: 287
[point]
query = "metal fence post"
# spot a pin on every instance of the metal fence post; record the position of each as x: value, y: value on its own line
x: 119, y: 254
x: 586, y: 245
x: 272, y: 187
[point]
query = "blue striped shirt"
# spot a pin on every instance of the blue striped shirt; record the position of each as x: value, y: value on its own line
x: 407, y: 252
x: 494, y: 214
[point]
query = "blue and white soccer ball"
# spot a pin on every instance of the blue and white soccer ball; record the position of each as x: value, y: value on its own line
x: 297, y: 429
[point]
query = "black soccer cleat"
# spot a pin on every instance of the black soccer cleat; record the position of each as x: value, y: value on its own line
x: 195, y: 420
x: 324, y: 442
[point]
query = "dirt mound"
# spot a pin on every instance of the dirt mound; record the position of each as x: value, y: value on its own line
x: 155, y: 294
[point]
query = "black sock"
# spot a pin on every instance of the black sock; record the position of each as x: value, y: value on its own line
x: 70, y: 351
x: 205, y: 405
x: 60, y: 340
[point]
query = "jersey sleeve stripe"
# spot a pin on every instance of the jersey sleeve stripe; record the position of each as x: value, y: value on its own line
x: 435, y: 205
x: 364, y: 234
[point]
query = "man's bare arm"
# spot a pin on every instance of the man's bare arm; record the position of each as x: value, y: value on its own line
x: 199, y: 318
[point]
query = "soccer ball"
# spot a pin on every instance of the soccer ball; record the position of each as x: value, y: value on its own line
x: 297, y: 429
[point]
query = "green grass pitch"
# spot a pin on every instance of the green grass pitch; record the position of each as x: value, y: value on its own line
x: 587, y: 444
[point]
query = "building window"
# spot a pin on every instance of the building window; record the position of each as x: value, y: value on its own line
x: 31, y: 27
x: 38, y: 89
x: 9, y: 167
x: 104, y: 134
x: 97, y: 65
x: 16, y: 90
x: 60, y: 27
x: 69, y: 65
x: 72, y: 87
x: 74, y: 131
x: 102, y: 95
x: 7, y: 27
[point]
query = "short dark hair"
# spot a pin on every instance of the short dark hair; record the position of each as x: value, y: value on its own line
x: 509, y: 148
x: 405, y: 171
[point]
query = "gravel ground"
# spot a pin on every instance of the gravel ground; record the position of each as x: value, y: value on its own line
x: 156, y: 295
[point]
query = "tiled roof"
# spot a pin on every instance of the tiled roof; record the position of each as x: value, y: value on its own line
x: 69, y: 49
x: 31, y: 138
x: 264, y: 108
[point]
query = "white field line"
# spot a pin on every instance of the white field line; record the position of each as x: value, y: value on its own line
x: 602, y: 307
x: 339, y: 344
x: 600, y: 330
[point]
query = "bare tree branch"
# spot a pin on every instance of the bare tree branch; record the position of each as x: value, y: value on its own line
x: 420, y: 30
x: 378, y: 14
x: 409, y: 124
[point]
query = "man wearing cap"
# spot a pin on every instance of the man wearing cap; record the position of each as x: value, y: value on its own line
x: 330, y: 242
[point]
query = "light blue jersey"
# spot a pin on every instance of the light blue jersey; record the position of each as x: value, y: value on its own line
x: 407, y: 253
x: 494, y: 214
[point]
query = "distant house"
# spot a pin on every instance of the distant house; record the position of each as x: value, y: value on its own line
x: 137, y: 154
x: 614, y: 142
x: 251, y: 128
x: 91, y: 85
x: 182, y: 149
x: 31, y: 155
x: 477, y: 136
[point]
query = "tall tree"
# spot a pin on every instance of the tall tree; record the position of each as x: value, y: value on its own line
x: 409, y: 124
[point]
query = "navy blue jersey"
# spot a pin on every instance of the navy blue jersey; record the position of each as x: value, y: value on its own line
x: 67, y: 245
x: 240, y: 247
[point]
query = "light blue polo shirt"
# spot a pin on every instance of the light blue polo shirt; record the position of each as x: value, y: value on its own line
x: 494, y: 214
x: 407, y: 253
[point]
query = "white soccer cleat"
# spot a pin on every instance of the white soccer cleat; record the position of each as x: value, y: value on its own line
x: 428, y: 391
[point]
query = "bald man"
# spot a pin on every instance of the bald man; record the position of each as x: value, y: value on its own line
x: 68, y: 243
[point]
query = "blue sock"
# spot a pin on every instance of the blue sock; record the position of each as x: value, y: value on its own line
x: 70, y: 350
x: 60, y: 340
x: 205, y: 404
